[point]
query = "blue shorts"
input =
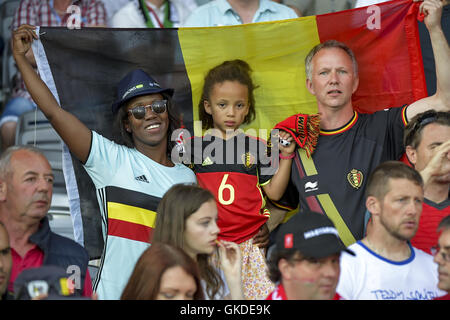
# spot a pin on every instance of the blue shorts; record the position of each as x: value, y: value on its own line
x: 14, y: 109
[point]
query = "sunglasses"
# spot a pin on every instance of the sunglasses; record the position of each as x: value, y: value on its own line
x: 421, y: 122
x: 157, y: 106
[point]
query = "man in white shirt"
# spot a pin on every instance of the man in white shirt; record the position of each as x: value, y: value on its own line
x: 234, y: 12
x: 386, y: 266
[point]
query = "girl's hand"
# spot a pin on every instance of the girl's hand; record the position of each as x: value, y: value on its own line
x: 22, y: 39
x: 230, y: 261
x: 286, y: 150
x: 230, y: 258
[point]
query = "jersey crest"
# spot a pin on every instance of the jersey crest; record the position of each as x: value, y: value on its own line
x: 248, y: 160
x: 355, y: 178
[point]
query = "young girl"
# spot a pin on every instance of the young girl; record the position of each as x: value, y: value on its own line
x: 232, y: 169
x: 186, y: 219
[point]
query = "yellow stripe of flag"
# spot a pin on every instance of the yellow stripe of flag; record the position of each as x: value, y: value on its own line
x: 277, y: 62
x: 131, y: 214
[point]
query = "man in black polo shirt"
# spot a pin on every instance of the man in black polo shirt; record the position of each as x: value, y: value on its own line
x: 351, y: 145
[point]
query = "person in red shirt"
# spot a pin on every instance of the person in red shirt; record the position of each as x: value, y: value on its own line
x: 306, y: 261
x: 442, y: 257
x: 26, y: 188
x: 427, y: 143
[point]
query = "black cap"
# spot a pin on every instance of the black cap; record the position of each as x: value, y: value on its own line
x: 311, y: 233
x: 50, y: 280
x: 134, y: 84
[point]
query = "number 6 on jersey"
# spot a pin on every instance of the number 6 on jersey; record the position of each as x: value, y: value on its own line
x: 224, y: 186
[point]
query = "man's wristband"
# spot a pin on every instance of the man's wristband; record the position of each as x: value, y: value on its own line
x: 288, y: 157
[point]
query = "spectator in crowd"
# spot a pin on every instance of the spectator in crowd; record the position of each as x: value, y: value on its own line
x: 26, y: 186
x: 386, y: 265
x: 314, y: 7
x: 305, y: 264
x: 44, y: 13
x: 427, y: 142
x: 151, y: 14
x: 164, y: 272
x: 351, y: 144
x: 186, y: 219
x: 442, y: 257
x: 140, y: 171
x: 5, y: 263
x: 233, y: 12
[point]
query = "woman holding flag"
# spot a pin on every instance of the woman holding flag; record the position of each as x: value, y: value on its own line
x: 130, y: 179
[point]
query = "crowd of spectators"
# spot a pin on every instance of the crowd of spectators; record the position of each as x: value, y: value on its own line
x: 404, y: 246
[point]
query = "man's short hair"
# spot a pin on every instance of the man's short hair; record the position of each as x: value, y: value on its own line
x: 288, y: 254
x: 413, y: 130
x: 325, y: 45
x: 378, y: 183
x: 5, y: 158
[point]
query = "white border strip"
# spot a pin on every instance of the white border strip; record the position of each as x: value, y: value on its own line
x: 69, y: 174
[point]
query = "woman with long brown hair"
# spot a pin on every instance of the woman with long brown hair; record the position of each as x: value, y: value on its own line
x: 186, y: 218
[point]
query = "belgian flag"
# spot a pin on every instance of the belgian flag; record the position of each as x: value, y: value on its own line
x: 82, y: 68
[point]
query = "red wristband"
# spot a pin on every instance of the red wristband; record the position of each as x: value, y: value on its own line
x: 288, y: 157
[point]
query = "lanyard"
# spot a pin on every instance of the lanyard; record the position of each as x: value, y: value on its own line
x: 147, y: 10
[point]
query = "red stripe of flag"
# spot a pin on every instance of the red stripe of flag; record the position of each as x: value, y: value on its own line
x: 129, y: 230
x: 389, y: 57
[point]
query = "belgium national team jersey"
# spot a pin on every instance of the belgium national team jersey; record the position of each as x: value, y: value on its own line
x: 233, y: 170
x: 333, y: 181
x: 427, y: 234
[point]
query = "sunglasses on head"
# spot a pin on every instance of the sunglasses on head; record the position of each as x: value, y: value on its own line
x: 422, y: 121
x: 157, y: 106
